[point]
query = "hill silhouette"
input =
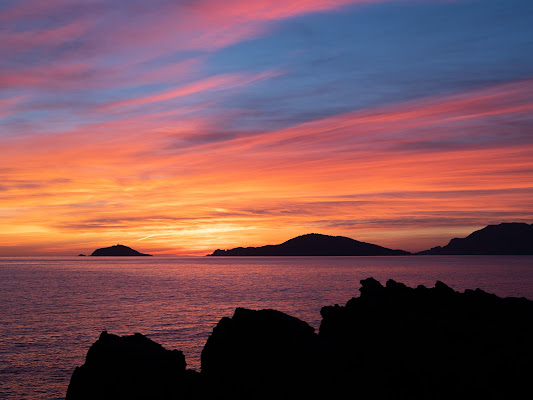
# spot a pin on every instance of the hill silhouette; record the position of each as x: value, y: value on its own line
x: 314, y: 244
x: 118, y: 250
x: 512, y: 238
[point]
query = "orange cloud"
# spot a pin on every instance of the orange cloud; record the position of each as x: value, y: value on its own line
x: 410, y: 176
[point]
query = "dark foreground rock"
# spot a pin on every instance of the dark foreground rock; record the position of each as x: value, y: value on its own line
x: 263, y: 354
x: 118, y: 250
x: 131, y: 367
x: 391, y: 342
x: 430, y: 343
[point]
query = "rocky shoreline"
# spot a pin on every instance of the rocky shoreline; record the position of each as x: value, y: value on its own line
x: 391, y: 342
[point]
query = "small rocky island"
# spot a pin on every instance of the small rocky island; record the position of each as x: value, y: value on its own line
x: 391, y: 342
x: 118, y: 250
x: 314, y: 244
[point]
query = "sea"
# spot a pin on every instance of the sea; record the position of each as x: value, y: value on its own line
x: 53, y: 309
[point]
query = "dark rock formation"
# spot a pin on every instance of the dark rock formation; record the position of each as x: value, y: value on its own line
x: 436, y: 343
x: 131, y: 367
x: 81, y: 255
x: 265, y: 353
x: 504, y: 239
x: 314, y: 244
x: 117, y: 251
x: 391, y: 342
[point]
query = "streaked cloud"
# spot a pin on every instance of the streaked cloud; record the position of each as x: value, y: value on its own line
x: 186, y: 126
x: 378, y: 174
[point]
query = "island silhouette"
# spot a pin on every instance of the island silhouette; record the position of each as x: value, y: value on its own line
x: 314, y: 244
x: 511, y: 238
x: 508, y: 238
x: 118, y: 250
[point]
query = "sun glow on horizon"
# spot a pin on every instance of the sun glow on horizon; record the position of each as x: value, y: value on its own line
x: 400, y: 176
x: 183, y: 128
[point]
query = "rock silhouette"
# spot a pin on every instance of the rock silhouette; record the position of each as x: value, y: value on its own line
x: 391, y: 342
x: 130, y: 367
x: 118, y: 250
x: 314, y: 244
x: 430, y: 342
x: 265, y: 352
x: 512, y: 238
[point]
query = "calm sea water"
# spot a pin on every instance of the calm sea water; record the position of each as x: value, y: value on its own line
x: 53, y: 309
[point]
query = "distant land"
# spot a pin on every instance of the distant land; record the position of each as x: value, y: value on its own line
x: 314, y: 244
x: 118, y: 251
x: 513, y: 238
x: 510, y: 238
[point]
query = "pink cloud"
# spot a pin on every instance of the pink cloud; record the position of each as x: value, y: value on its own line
x: 213, y: 83
x: 58, y: 76
x: 8, y: 106
x: 205, y: 24
x: 267, y: 9
x: 113, y: 49
x: 215, y: 24
x: 82, y: 75
x: 427, y: 119
x: 424, y: 145
x: 50, y: 37
x: 410, y: 163
x: 28, y: 8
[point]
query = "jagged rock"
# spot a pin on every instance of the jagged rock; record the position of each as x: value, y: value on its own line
x: 430, y: 342
x: 130, y: 367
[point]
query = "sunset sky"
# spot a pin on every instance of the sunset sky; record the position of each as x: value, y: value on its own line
x: 179, y: 127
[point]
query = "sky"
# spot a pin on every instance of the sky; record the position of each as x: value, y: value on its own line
x: 179, y: 127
